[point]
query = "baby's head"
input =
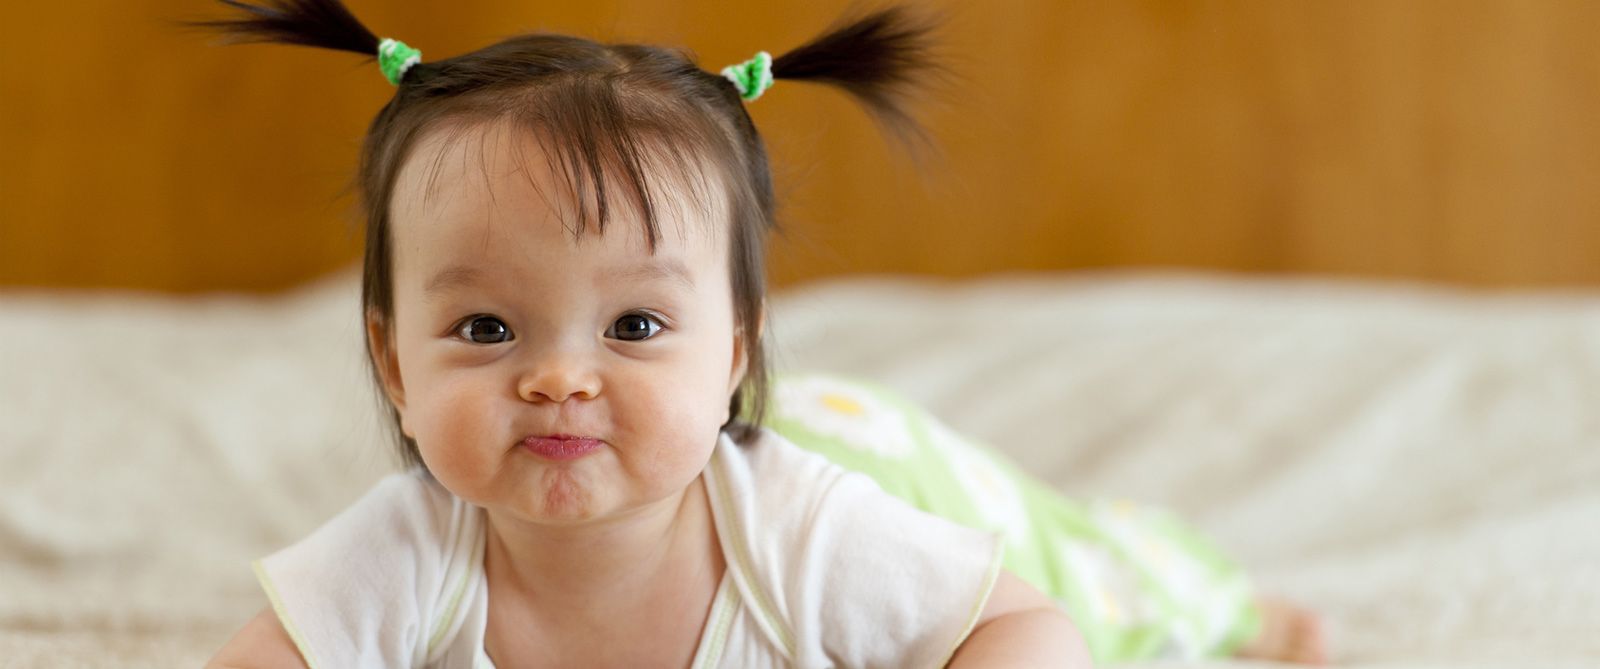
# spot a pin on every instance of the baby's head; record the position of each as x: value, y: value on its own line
x: 566, y: 239
x: 509, y: 162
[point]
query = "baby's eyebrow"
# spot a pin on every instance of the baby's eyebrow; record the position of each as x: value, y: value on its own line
x: 449, y: 278
x: 670, y: 269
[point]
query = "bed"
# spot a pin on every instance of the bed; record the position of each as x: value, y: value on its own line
x: 1420, y: 464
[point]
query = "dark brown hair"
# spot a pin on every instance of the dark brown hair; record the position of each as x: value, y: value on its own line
x: 606, y: 110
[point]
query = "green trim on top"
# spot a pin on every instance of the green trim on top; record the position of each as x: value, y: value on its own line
x: 715, y: 638
x: 455, y: 603
x: 283, y: 615
x: 742, y: 560
x: 989, y: 580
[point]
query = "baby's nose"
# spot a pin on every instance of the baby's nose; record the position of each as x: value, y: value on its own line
x: 557, y: 376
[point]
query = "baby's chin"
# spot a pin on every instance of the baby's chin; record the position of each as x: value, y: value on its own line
x: 529, y: 492
x: 563, y: 496
x: 524, y: 486
x: 567, y: 496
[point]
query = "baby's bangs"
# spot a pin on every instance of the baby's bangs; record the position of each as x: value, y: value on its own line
x: 595, y: 136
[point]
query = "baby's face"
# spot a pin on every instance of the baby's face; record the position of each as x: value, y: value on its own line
x: 506, y: 329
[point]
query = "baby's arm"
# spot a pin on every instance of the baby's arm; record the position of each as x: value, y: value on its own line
x: 1021, y: 627
x: 261, y: 643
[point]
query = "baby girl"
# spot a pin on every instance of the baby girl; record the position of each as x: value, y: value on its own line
x: 563, y: 297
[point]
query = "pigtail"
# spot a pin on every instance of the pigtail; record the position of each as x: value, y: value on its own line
x: 881, y: 59
x: 326, y: 24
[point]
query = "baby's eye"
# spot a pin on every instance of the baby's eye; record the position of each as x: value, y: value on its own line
x: 484, y: 330
x: 634, y: 327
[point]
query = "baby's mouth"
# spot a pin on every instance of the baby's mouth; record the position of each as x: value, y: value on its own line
x: 561, y: 447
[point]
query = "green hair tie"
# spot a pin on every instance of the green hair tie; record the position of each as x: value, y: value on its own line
x: 394, y: 58
x: 752, y: 77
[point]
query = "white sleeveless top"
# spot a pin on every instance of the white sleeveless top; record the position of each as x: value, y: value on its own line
x: 824, y: 569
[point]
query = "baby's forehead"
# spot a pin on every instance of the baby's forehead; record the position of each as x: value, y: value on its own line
x: 465, y: 173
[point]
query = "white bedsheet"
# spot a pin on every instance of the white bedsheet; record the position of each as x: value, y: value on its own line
x: 1421, y: 465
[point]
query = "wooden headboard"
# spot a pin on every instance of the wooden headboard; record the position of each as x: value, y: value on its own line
x: 1455, y: 141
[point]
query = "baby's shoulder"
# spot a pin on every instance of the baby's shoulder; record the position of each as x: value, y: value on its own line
x: 775, y: 485
x: 367, y: 587
x: 406, y: 525
x: 772, y: 483
x: 413, y: 503
x: 840, y: 568
x: 404, y: 511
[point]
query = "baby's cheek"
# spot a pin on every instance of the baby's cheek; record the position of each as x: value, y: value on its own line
x: 456, y: 440
x: 696, y: 419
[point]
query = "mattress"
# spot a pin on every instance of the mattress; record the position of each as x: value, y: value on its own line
x: 1418, y: 464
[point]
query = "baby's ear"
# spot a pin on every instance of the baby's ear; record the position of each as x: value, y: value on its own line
x: 743, y: 339
x: 380, y: 345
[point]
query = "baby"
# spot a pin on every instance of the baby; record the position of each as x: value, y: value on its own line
x: 563, y: 297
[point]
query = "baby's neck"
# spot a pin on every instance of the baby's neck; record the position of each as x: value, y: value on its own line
x: 604, y: 568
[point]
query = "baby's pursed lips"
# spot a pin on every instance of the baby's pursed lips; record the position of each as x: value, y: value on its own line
x: 561, y: 446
